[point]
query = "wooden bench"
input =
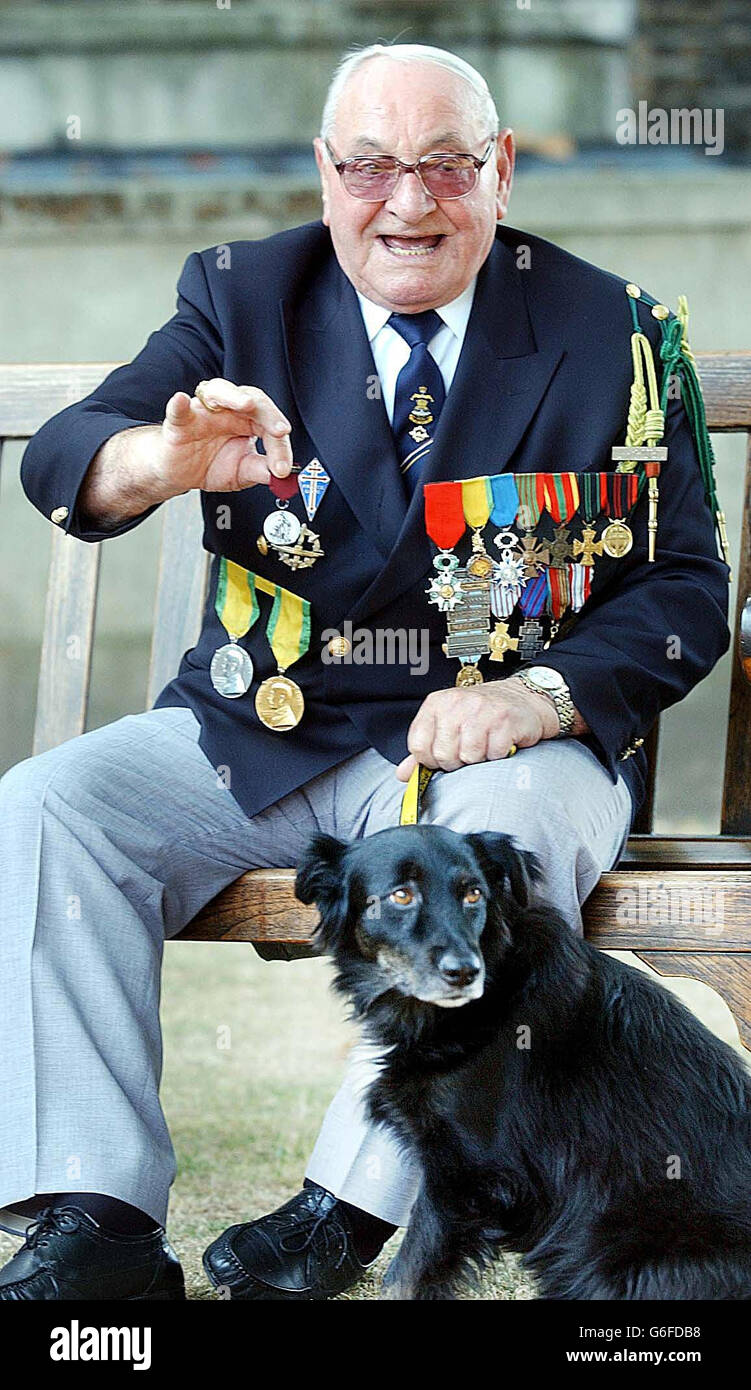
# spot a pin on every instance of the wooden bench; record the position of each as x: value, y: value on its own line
x: 653, y: 903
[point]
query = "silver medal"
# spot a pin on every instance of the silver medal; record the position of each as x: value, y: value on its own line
x: 282, y: 528
x: 231, y: 670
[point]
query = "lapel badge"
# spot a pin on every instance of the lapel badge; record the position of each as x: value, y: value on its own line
x: 313, y: 481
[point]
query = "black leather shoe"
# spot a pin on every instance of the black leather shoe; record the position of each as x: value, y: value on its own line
x: 66, y: 1255
x: 305, y: 1250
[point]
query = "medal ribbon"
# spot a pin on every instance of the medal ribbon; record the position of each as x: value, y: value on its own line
x: 618, y: 493
x: 288, y: 627
x: 531, y: 501
x: 477, y: 499
x: 444, y: 513
x: 560, y: 591
x: 589, y: 489
x: 534, y: 594
x: 505, y: 499
x: 561, y: 494
x: 235, y: 603
x: 503, y: 598
x: 580, y: 577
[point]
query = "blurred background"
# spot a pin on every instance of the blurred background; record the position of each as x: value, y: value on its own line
x: 132, y: 133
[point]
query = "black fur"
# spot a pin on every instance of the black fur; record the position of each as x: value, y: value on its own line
x: 574, y: 1112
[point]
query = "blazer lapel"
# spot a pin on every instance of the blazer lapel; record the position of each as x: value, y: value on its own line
x: 500, y: 380
x: 336, y: 388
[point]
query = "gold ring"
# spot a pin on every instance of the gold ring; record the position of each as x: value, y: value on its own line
x: 512, y: 750
x: 199, y: 393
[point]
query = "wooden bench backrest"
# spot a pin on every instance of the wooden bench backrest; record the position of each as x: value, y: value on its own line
x: 30, y: 394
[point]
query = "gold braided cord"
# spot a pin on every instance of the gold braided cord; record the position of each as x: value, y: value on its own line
x: 646, y: 420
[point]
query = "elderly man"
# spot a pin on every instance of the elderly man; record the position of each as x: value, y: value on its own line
x: 406, y: 339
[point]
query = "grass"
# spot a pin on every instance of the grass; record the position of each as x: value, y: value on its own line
x: 254, y: 1051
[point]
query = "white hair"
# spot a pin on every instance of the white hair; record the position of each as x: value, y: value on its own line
x: 409, y: 53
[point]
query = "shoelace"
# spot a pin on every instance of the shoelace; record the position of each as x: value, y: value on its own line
x: 51, y: 1221
x: 304, y: 1232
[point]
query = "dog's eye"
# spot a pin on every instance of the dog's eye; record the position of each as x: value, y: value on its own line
x: 472, y: 894
x: 401, y: 896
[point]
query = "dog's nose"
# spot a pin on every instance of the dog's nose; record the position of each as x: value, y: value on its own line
x: 458, y: 970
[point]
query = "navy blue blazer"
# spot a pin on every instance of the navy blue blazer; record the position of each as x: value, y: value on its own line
x: 542, y: 383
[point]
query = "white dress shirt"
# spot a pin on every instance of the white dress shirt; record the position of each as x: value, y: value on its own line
x: 391, y: 351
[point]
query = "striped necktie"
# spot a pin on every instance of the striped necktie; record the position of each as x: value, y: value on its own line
x: 420, y: 394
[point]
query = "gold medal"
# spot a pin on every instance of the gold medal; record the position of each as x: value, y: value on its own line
x: 617, y: 539
x: 469, y: 675
x: 279, y: 703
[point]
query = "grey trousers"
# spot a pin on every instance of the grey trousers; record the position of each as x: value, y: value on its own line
x: 113, y: 841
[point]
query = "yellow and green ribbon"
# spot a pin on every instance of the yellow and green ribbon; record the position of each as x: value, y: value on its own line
x: 288, y: 627
x: 236, y: 604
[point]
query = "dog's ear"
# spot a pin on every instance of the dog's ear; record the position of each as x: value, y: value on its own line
x: 505, y: 865
x: 319, y: 872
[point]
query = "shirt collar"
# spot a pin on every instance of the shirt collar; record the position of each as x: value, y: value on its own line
x: 455, y: 314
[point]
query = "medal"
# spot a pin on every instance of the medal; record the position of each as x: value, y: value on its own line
x: 313, y: 481
x: 279, y: 700
x: 535, y: 554
x: 560, y: 547
x: 236, y: 607
x: 617, y: 540
x: 231, y: 670
x: 500, y: 642
x: 294, y: 542
x: 619, y: 492
x: 281, y: 528
x: 651, y: 456
x: 444, y: 588
x: 279, y: 703
x: 532, y: 603
x: 531, y: 641
x: 507, y: 576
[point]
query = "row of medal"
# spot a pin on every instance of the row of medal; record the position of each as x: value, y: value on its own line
x: 537, y: 564
x: 279, y: 701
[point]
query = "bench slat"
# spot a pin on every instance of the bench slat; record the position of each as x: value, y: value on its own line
x: 181, y: 590
x: 65, y: 666
x: 726, y: 387
x: 30, y: 392
x: 736, y: 801
x: 261, y: 906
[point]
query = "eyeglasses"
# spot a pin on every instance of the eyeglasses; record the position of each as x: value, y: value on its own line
x: 373, y: 178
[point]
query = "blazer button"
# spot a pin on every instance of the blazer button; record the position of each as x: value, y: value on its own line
x: 338, y: 646
x: 58, y: 515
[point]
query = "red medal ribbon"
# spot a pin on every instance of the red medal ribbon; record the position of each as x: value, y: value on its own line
x: 562, y: 495
x: 444, y: 513
x: 620, y: 493
x: 560, y: 591
x: 284, y: 488
x: 541, y: 490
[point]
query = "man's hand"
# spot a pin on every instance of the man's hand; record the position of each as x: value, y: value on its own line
x: 477, y: 724
x: 209, y: 441
x: 209, y: 444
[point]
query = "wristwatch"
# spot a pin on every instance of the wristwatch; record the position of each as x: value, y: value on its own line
x: 545, y: 681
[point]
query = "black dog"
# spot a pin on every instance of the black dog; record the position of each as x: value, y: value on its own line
x: 570, y: 1109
